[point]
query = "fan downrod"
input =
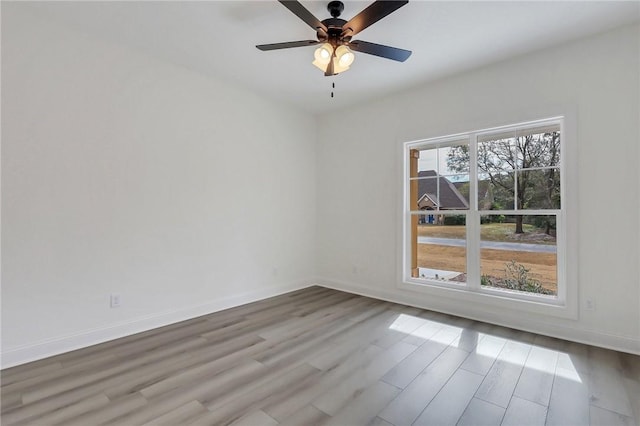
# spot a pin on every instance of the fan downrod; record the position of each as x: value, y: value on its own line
x: 335, y: 8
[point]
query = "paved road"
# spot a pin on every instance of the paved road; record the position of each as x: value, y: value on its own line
x: 538, y: 248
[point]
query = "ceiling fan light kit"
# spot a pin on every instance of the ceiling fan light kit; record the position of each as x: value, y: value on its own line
x: 342, y: 59
x: 335, y: 55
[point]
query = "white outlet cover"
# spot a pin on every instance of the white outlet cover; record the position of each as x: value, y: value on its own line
x: 115, y: 300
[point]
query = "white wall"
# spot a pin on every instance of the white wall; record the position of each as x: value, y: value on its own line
x: 122, y: 173
x: 359, y: 182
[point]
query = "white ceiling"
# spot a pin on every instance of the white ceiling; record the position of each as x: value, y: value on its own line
x: 218, y: 38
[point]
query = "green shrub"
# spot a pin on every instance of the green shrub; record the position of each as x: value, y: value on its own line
x: 455, y: 220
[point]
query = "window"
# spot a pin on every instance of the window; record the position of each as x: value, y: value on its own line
x: 484, y: 212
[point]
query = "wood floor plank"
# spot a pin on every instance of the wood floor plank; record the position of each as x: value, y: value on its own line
x: 329, y: 379
x: 281, y: 386
x: 343, y: 309
x: 180, y: 415
x: 607, y: 389
x: 569, y: 402
x: 344, y: 392
x: 10, y: 400
x: 379, y: 306
x: 447, y: 407
x: 502, y: 378
x: 307, y: 416
x: 632, y: 387
x: 364, y: 407
x: 537, y: 376
x: 101, y: 386
x: 402, y: 325
x: 408, y: 369
x: 602, y: 417
x: 117, y: 408
x: 406, y: 408
x: 210, y: 363
x: 72, y: 381
x: 205, y: 388
x: 305, y: 343
x: 482, y: 358
x: 21, y: 374
x: 377, y: 421
x: 423, y: 333
x: 524, y: 413
x: 42, y: 407
x: 255, y: 418
x: 62, y: 415
x: 482, y: 413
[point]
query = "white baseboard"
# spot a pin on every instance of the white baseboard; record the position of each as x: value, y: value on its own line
x: 621, y: 343
x: 61, y: 344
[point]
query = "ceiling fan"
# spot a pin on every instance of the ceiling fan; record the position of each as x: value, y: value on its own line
x: 334, y: 35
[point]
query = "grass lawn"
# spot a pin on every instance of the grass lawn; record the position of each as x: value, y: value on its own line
x: 504, y: 232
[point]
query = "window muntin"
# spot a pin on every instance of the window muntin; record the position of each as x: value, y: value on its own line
x: 510, y: 180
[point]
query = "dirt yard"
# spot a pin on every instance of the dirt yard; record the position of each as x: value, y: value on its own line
x: 542, y: 266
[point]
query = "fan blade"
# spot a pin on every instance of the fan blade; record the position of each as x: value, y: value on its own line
x: 286, y: 45
x: 381, y: 50
x: 301, y: 12
x: 372, y: 14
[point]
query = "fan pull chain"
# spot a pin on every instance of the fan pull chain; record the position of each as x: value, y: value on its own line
x: 333, y: 86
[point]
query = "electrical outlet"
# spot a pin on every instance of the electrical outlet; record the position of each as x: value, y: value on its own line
x: 115, y: 300
x: 590, y: 305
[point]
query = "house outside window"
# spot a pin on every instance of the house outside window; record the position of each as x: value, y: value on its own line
x: 484, y: 212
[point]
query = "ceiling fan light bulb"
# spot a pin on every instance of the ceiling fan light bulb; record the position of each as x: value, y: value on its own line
x: 346, y: 59
x: 323, y: 53
x: 345, y: 56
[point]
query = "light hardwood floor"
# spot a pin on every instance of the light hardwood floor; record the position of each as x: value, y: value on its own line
x: 320, y: 356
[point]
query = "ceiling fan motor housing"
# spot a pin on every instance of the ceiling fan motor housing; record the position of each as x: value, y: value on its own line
x: 334, y: 32
x: 334, y: 25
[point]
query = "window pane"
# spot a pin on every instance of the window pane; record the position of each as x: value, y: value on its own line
x: 538, y: 147
x: 539, y: 189
x: 519, y: 253
x: 454, y: 158
x: 450, y: 158
x: 440, y: 192
x: 441, y: 242
x: 456, y: 195
x: 496, y: 191
x: 428, y: 160
x: 426, y: 197
x: 497, y: 156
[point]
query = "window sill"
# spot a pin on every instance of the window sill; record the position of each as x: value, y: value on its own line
x: 493, y: 299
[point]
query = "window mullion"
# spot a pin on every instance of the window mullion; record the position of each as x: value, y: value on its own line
x: 473, y: 219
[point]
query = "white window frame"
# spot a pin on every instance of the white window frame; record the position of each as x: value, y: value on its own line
x: 565, y: 303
